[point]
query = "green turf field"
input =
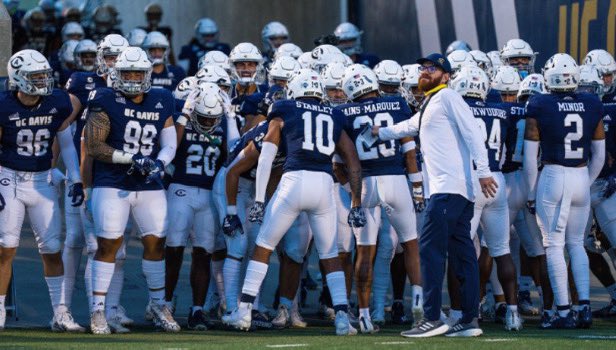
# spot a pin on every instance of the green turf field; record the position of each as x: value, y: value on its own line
x: 601, y: 336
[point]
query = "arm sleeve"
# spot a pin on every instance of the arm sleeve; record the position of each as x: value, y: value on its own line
x: 168, y: 144
x: 233, y: 134
x: 406, y: 128
x: 69, y: 154
x: 597, y: 159
x: 531, y: 149
x: 264, y: 169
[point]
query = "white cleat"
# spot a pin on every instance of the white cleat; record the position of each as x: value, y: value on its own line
x: 115, y: 325
x: 378, y: 316
x: 148, y: 315
x: 63, y: 322
x: 2, y: 317
x: 121, y: 313
x: 513, y: 321
x: 366, y: 326
x: 163, y: 318
x: 327, y: 313
x: 343, y: 326
x: 98, y: 323
x: 282, y: 319
x: 297, y: 321
x: 240, y: 318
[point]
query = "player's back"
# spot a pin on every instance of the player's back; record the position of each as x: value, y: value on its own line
x: 310, y: 134
x: 492, y: 120
x: 384, y: 157
x: 514, y: 143
x: 566, y: 123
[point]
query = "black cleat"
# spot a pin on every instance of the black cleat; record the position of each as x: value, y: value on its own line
x: 397, y: 314
x: 500, y: 314
x: 196, y: 320
x: 260, y: 321
x: 558, y: 322
x: 584, y: 317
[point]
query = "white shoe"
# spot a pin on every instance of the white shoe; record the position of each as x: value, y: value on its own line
x: 297, y: 321
x: 148, y: 315
x: 378, y: 316
x: 121, y: 313
x: 240, y: 318
x: 63, y: 321
x: 343, y: 326
x: 98, y: 323
x: 513, y: 321
x: 327, y: 313
x: 282, y: 319
x: 163, y: 318
x: 366, y: 326
x: 2, y: 317
x: 116, y: 326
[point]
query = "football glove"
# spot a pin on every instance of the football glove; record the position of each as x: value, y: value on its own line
x: 2, y: 202
x: 156, y: 172
x: 532, y: 207
x: 232, y: 226
x: 418, y: 199
x: 191, y: 102
x: 256, y: 212
x: 141, y: 165
x: 610, y: 188
x: 357, y: 217
x: 76, y: 193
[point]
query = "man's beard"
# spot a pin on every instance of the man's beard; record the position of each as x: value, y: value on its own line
x: 427, y: 84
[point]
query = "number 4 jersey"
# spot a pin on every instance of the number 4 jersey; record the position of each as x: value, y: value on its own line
x: 567, y: 123
x: 28, y: 133
x: 135, y: 129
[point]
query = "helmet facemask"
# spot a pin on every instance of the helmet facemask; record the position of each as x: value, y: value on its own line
x: 129, y: 83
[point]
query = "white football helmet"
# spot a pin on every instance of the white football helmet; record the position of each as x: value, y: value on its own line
x: 533, y: 84
x: 208, y: 109
x: 591, y: 80
x: 457, y: 45
x: 506, y: 80
x: 85, y: 46
x: 605, y: 63
x: 136, y: 36
x: 410, y: 80
x: 66, y: 54
x: 305, y: 60
x: 72, y: 31
x: 460, y: 58
x: 156, y: 40
x: 358, y: 80
x: 305, y: 83
x: 206, y: 32
x: 350, y: 38
x: 184, y: 88
x: 246, y: 52
x: 288, y: 49
x: 283, y: 68
x: 111, y: 45
x: 217, y: 58
x: 471, y: 82
x: 561, y: 73
x: 389, y: 72
x: 495, y: 59
x: 483, y: 61
x: 212, y: 73
x: 21, y: 68
x: 132, y: 59
x: 322, y: 55
x: 273, y: 30
x: 519, y: 48
x: 331, y: 77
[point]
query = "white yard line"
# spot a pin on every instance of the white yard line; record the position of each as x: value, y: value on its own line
x: 286, y: 345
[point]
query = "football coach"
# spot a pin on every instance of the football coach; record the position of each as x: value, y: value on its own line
x: 452, y: 146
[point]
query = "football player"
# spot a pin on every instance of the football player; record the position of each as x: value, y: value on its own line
x: 205, y: 39
x: 312, y: 134
x: 518, y: 54
x: 216, y: 58
x: 164, y: 75
x: 606, y: 65
x: 349, y: 42
x: 273, y: 35
x: 131, y: 137
x: 569, y: 129
x: 33, y: 115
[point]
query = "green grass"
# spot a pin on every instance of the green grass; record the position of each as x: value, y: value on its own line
x: 312, y: 338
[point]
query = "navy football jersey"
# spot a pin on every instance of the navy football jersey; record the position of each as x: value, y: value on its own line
x: 609, y: 125
x: 169, y: 78
x: 80, y: 84
x: 384, y: 157
x: 492, y: 119
x: 198, y: 158
x: 493, y: 96
x: 514, y: 142
x: 28, y: 133
x: 134, y: 128
x: 566, y: 122
x: 310, y: 134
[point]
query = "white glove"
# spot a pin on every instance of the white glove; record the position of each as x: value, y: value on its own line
x: 226, y: 104
x: 191, y: 102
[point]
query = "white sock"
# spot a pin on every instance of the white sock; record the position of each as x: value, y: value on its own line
x: 564, y: 313
x: 154, y: 272
x: 216, y: 268
x: 54, y: 284
x: 71, y: 257
x: 526, y: 283
x: 580, y: 270
x: 365, y: 313
x: 87, y: 278
x: 380, y: 281
x: 255, y: 274
x: 337, y: 287
x: 417, y: 293
x: 231, y: 274
x: 513, y: 308
x: 101, y: 278
x: 116, y: 285
x: 557, y: 269
x: 612, y: 290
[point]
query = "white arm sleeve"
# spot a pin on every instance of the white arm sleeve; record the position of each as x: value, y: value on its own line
x: 233, y: 134
x: 69, y: 154
x: 409, y: 127
x: 531, y: 149
x: 597, y: 159
x: 168, y: 144
x: 264, y: 169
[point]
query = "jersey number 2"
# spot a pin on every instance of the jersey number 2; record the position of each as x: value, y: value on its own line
x: 570, y: 120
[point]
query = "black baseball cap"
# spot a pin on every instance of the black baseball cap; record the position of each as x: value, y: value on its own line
x: 439, y: 60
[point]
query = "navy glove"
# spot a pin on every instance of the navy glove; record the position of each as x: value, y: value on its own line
x: 256, y: 212
x: 141, y: 165
x: 532, y: 207
x: 232, y: 226
x: 357, y: 217
x: 77, y: 194
x: 610, y: 188
x: 2, y: 202
x: 156, y: 172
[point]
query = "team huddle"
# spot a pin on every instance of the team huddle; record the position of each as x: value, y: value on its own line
x: 287, y: 151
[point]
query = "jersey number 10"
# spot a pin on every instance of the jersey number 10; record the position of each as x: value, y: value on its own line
x: 324, y: 130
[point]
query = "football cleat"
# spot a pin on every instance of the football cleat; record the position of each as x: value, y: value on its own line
x: 240, y: 318
x: 451, y: 320
x: 366, y: 326
x: 398, y: 316
x: 343, y: 326
x: 546, y: 318
x: 148, y: 315
x: 98, y: 323
x: 559, y: 322
x: 282, y: 319
x: 607, y: 311
x: 297, y: 321
x: 196, y: 320
x: 378, y: 316
x: 326, y: 312
x: 584, y: 317
x: 525, y: 304
x: 513, y: 321
x: 500, y: 313
x: 486, y: 309
x: 63, y: 321
x: 163, y: 318
x: 460, y: 329
x: 260, y: 321
x: 116, y: 326
x: 121, y: 313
